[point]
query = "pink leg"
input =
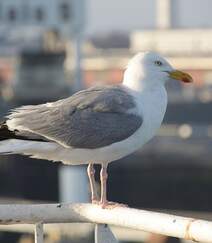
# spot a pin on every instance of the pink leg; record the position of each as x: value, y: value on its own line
x: 103, y: 201
x: 103, y: 179
x: 91, y: 173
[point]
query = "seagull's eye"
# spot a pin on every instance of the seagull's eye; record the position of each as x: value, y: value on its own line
x: 158, y: 63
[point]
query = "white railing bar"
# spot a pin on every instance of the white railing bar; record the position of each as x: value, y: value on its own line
x: 154, y: 222
x: 38, y: 233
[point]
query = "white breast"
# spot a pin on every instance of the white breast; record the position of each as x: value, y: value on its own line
x: 152, y: 106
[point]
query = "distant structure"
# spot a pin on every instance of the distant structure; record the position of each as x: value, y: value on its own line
x: 177, y: 33
x: 163, y: 14
x: 178, y: 29
x: 25, y: 21
x: 183, y: 14
x: 64, y: 16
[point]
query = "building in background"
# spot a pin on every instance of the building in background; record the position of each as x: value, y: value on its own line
x: 28, y: 26
x: 63, y: 16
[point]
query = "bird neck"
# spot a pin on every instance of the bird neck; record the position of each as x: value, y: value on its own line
x: 135, y: 79
x: 139, y: 81
x: 140, y: 85
x: 134, y: 84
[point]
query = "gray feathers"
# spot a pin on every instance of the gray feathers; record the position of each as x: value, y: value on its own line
x: 91, y: 118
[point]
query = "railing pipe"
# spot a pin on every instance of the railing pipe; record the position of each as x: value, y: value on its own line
x: 154, y: 222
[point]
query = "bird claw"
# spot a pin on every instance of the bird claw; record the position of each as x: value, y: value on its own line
x: 95, y: 201
x: 109, y: 205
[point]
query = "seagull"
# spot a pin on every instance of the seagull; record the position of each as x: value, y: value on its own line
x: 97, y: 125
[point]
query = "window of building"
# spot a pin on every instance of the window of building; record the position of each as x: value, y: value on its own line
x: 12, y: 14
x: 65, y: 11
x: 40, y: 14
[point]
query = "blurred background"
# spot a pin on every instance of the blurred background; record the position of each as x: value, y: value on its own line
x: 53, y: 48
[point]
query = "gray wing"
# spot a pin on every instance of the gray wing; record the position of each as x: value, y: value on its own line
x: 91, y: 118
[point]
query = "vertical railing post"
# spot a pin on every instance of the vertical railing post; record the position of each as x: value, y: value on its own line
x: 103, y: 234
x: 39, y: 233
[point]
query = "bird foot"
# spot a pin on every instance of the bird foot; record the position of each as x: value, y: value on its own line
x: 109, y: 205
x: 95, y: 201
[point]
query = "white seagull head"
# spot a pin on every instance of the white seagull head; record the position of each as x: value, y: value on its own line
x: 149, y: 69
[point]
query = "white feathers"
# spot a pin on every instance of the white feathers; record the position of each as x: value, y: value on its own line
x: 13, y: 146
x: 142, y: 73
x: 39, y: 150
x: 145, y: 83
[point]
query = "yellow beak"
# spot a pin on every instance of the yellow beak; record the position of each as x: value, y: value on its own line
x: 182, y: 76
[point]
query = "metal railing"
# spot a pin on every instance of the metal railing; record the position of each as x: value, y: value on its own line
x: 148, y: 221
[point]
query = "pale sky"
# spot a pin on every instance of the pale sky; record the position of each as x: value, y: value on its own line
x: 109, y: 15
x: 112, y: 15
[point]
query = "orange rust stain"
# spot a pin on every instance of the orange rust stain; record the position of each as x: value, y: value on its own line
x: 187, y: 233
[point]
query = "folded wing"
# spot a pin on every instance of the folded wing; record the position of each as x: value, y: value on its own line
x: 91, y: 118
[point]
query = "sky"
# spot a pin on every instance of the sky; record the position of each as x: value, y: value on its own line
x: 112, y: 15
x: 127, y: 15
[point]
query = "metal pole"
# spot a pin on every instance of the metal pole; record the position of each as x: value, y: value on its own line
x: 163, y: 8
x: 103, y: 234
x: 39, y: 233
x: 73, y: 184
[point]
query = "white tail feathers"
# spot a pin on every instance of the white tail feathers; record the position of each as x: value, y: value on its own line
x: 17, y: 146
x: 11, y: 146
x: 35, y: 149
